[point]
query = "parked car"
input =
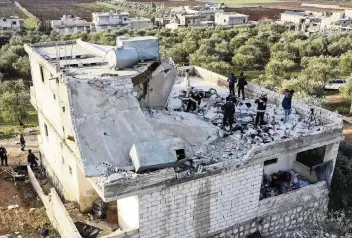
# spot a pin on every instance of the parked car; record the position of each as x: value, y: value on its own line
x: 335, y: 84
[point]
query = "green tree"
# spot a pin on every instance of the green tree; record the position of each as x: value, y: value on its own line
x: 14, y: 102
x: 278, y: 68
x: 346, y: 62
x: 246, y: 56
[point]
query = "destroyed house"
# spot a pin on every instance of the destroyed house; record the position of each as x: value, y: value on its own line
x: 113, y: 126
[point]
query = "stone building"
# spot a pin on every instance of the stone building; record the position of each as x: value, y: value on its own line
x: 105, y: 134
x: 109, y: 20
x: 69, y: 24
x: 230, y: 18
x: 140, y: 23
x: 11, y: 23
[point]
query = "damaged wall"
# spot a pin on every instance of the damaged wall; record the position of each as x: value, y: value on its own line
x: 201, y: 207
x: 154, y: 85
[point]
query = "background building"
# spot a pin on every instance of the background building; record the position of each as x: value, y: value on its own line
x: 70, y: 25
x: 109, y: 20
x: 230, y: 18
x: 11, y: 23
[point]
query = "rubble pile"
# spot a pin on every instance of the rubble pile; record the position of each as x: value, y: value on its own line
x: 235, y: 145
x: 305, y: 233
x: 281, y: 182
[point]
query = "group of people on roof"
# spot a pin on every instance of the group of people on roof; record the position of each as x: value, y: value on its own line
x: 228, y: 108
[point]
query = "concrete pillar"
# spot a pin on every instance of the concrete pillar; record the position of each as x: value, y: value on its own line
x: 87, y: 194
x: 128, y: 213
x: 331, y: 152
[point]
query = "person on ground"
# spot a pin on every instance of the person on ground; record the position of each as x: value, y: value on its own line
x: 287, y: 103
x: 32, y: 159
x: 229, y: 112
x: 22, y: 142
x: 3, y: 156
x: 232, y: 81
x: 261, y: 101
x: 241, y: 83
x: 194, y: 100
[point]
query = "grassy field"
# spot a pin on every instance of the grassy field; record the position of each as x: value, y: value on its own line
x: 12, y: 129
x: 235, y: 2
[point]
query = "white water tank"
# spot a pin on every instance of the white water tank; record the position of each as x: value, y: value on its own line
x: 122, y: 58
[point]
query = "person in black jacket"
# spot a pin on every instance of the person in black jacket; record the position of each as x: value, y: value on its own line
x: 232, y: 81
x: 3, y: 156
x: 228, y: 111
x: 32, y: 159
x: 241, y: 83
x: 194, y: 100
x: 22, y: 142
x: 261, y: 101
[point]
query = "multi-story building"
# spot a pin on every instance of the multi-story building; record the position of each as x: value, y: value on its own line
x: 109, y: 20
x: 313, y: 21
x: 11, y: 23
x: 105, y: 133
x: 69, y: 24
x: 230, y: 18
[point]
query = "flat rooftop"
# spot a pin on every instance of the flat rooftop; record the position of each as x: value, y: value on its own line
x: 81, y: 59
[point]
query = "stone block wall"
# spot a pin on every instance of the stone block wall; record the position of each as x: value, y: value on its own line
x: 202, y: 207
x: 287, y: 211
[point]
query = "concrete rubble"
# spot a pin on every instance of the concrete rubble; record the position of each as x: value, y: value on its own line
x: 222, y: 148
x: 281, y: 182
x: 305, y: 233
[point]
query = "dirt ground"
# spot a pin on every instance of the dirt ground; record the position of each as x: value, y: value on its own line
x: 29, y: 217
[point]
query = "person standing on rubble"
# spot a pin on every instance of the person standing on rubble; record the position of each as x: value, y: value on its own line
x: 232, y: 81
x: 287, y: 103
x: 241, y: 83
x: 194, y: 100
x: 3, y: 156
x: 261, y: 101
x: 228, y: 111
x: 32, y: 159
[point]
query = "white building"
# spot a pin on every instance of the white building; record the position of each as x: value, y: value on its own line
x: 230, y: 18
x: 11, y: 23
x: 69, y: 24
x: 105, y: 134
x: 109, y: 20
x: 140, y: 23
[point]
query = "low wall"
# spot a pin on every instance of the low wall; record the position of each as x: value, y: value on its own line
x: 55, y: 210
x: 284, y: 212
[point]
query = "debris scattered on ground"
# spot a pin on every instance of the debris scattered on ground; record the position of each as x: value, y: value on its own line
x: 305, y: 233
x: 281, y: 182
x: 99, y: 209
x: 86, y: 230
x: 12, y: 207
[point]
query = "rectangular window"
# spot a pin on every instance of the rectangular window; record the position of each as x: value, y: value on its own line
x: 244, y: 20
x: 41, y: 72
x: 270, y: 161
x: 3, y: 19
x: 70, y: 169
x: 63, y: 109
x: 46, y: 129
x: 14, y: 23
x: 54, y: 97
